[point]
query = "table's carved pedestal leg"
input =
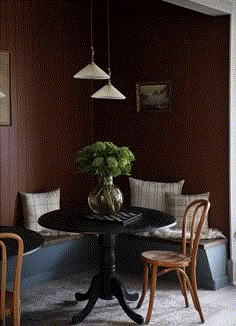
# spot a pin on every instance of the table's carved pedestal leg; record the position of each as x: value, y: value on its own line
x: 105, y: 285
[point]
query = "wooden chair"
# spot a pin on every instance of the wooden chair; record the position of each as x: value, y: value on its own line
x: 10, y: 301
x: 178, y: 261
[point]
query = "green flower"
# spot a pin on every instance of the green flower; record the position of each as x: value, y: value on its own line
x: 98, y: 161
x: 123, y: 162
x: 98, y: 146
x: 112, y: 162
x: 117, y: 172
x: 124, y: 152
x: 104, y: 159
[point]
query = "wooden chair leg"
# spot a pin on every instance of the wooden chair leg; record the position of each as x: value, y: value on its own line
x: 193, y: 290
x: 189, y: 286
x: 152, y: 293
x: 145, y: 283
x: 183, y: 286
x: 16, y: 316
x: 194, y: 287
x: 16, y: 319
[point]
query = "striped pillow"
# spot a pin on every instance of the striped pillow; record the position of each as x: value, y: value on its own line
x: 151, y: 194
x: 176, y: 205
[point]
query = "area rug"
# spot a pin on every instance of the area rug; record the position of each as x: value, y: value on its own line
x: 224, y: 317
x: 53, y: 304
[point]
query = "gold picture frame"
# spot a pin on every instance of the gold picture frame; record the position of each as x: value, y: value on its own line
x: 5, y: 89
x: 154, y: 96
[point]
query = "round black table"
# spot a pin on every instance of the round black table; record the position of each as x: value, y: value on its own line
x: 105, y: 285
x: 31, y: 239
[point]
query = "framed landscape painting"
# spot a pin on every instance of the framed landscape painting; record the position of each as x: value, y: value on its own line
x: 155, y: 96
x: 5, y: 103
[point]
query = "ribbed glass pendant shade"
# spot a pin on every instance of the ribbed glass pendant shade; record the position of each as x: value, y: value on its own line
x: 91, y: 71
x: 108, y: 92
x: 2, y: 94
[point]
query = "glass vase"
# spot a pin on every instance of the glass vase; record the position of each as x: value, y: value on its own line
x: 106, y: 198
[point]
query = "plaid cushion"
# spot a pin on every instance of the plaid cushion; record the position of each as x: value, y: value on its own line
x: 176, y: 205
x: 151, y: 194
x: 36, y: 204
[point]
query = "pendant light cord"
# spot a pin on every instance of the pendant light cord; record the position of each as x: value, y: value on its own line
x: 91, y: 28
x: 108, y: 40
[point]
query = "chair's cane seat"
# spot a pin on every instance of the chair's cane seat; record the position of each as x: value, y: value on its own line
x: 166, y: 258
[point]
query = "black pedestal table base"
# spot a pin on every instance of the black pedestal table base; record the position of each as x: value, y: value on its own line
x: 105, y: 285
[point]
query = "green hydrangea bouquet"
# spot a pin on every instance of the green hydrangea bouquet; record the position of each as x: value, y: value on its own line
x: 105, y: 160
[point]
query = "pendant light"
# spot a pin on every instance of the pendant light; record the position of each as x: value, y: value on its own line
x: 108, y: 92
x: 91, y: 71
x: 2, y: 94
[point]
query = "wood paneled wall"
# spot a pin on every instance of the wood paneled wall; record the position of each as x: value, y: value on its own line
x: 51, y: 114
x: 158, y: 42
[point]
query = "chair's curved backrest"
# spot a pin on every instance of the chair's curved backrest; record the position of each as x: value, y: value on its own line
x: 196, y: 211
x: 17, y: 274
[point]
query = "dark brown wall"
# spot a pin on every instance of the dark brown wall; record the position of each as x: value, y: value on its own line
x: 51, y: 117
x: 191, y: 143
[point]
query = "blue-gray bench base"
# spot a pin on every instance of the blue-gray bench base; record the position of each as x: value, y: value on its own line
x: 212, y: 271
x: 59, y: 257
x: 65, y: 255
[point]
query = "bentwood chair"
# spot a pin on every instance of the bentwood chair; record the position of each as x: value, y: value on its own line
x: 10, y: 300
x: 178, y: 261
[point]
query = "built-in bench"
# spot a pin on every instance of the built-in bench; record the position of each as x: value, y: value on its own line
x: 67, y: 254
x: 60, y: 256
x: 212, y: 271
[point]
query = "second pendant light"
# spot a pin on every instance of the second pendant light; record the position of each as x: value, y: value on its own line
x: 108, y: 91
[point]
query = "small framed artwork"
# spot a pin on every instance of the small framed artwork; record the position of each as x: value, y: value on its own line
x: 5, y: 102
x: 155, y: 96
